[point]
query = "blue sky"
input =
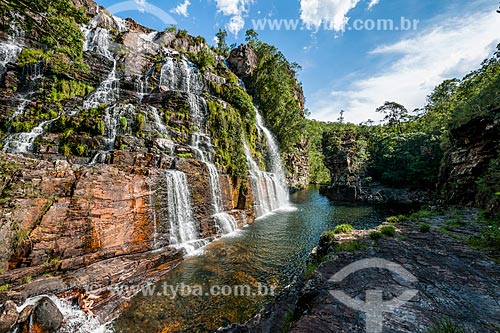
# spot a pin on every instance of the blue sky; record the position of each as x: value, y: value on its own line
x: 346, y: 64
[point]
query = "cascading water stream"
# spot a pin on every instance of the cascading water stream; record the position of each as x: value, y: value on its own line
x: 270, y: 193
x: 75, y: 320
x: 182, y: 226
x: 273, y: 149
x: 19, y: 143
x: 180, y: 75
x: 9, y: 49
x: 111, y: 128
x: 98, y: 40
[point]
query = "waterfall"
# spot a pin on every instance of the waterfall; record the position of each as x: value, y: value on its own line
x: 180, y: 75
x: 160, y: 127
x: 182, y: 231
x: 111, y: 129
x: 9, y: 50
x: 273, y: 150
x: 270, y: 193
x: 225, y: 223
x: 20, y: 108
x: 19, y: 143
x: 98, y: 40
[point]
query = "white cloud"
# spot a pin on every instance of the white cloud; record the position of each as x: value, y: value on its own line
x: 235, y: 24
x: 182, y: 9
x: 330, y: 13
x: 450, y: 49
x: 141, y: 4
x: 237, y: 9
x: 233, y: 7
x: 373, y: 3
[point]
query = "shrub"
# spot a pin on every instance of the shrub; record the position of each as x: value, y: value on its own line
x: 343, y: 229
x: 388, y: 230
x: 182, y: 34
x: 423, y: 214
x: 123, y: 123
x: 375, y: 235
x: 309, y: 272
x: 65, y: 150
x: 81, y: 148
x: 141, y: 122
x: 4, y: 288
x: 424, y: 227
x: 352, y: 246
x: 395, y: 219
x: 172, y: 29
x: 445, y: 326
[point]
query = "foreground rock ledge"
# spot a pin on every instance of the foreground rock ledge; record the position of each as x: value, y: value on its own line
x: 454, y: 283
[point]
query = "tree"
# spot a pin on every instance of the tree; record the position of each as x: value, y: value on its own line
x: 222, y: 47
x: 341, y: 118
x: 251, y: 37
x: 395, y: 114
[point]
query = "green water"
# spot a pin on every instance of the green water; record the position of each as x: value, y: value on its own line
x: 272, y: 251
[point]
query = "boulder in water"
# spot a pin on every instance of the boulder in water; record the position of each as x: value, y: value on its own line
x: 46, y: 316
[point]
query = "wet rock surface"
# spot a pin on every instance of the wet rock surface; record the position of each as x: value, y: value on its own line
x: 46, y: 316
x: 454, y: 283
x: 68, y: 226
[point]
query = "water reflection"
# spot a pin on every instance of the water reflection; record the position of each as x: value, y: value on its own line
x: 272, y: 251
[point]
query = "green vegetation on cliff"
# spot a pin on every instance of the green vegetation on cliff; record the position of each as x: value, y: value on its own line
x: 225, y: 129
x: 55, y: 22
x: 276, y: 91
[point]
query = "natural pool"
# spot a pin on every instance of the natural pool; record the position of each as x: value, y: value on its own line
x: 272, y: 251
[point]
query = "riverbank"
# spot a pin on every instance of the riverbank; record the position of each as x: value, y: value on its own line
x: 458, y: 286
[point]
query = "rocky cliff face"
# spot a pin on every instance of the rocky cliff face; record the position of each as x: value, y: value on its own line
x: 469, y: 173
x: 345, y: 158
x: 243, y: 61
x: 111, y: 171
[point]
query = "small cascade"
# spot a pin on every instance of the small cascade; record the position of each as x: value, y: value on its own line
x: 215, y: 187
x: 160, y: 127
x: 20, y: 108
x: 273, y: 150
x: 225, y: 223
x: 200, y: 140
x: 19, y: 143
x: 75, y: 320
x: 269, y: 191
x: 181, y: 75
x: 99, y: 40
x: 111, y: 122
x: 10, y: 48
x: 111, y: 129
x: 140, y: 89
x: 9, y: 51
x: 182, y: 231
